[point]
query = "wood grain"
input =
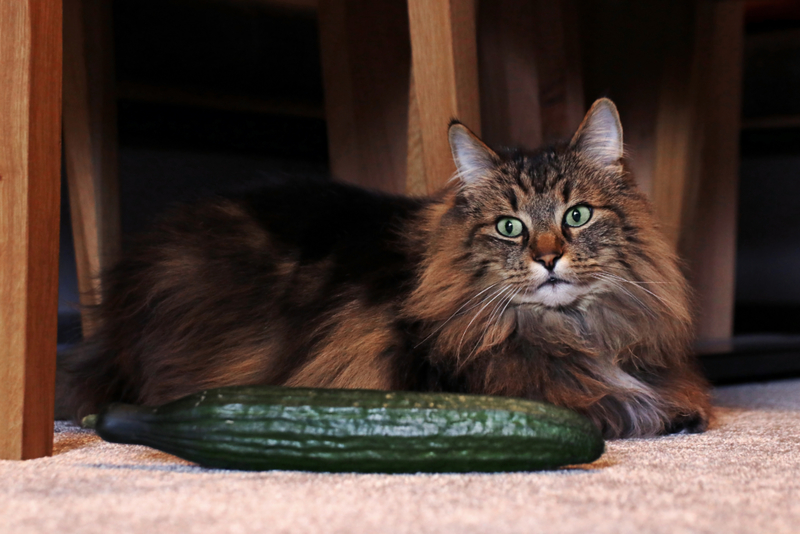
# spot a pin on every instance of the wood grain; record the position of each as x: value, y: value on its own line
x: 530, y: 71
x: 415, y: 165
x: 90, y: 142
x: 674, y: 69
x: 445, y: 64
x: 366, y: 60
x: 676, y: 137
x: 625, y: 46
x: 557, y: 45
x: 30, y: 127
x: 708, y: 237
x: 509, y: 73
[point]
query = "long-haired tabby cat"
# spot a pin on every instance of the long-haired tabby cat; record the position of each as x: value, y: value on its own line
x: 533, y: 274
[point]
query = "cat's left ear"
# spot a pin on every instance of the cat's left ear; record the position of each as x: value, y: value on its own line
x: 599, y: 137
x: 474, y: 160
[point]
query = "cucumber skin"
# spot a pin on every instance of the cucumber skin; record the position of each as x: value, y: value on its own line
x: 264, y: 428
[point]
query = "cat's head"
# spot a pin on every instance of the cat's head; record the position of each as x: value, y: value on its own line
x: 551, y: 224
x: 553, y: 229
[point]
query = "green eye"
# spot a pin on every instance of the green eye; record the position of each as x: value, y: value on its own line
x: 510, y: 227
x: 578, y: 216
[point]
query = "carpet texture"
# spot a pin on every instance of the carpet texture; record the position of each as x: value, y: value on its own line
x: 741, y: 476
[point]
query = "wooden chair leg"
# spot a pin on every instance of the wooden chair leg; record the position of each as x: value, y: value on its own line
x: 366, y: 58
x: 445, y: 73
x: 90, y: 142
x: 30, y: 163
x: 387, y: 115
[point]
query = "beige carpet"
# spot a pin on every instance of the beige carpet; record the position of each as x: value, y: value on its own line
x: 742, y: 476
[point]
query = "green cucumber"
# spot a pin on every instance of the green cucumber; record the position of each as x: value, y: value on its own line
x: 346, y: 430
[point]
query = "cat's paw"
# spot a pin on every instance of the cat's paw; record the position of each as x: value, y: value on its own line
x: 687, y: 423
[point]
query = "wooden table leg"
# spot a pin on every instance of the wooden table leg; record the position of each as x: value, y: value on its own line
x: 30, y: 134
x: 90, y: 142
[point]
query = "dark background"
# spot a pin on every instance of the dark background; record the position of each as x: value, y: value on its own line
x: 204, y: 88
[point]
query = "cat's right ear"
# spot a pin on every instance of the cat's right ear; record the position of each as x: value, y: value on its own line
x: 599, y: 137
x: 474, y: 160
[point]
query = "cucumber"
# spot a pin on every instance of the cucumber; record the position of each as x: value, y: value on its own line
x: 345, y: 430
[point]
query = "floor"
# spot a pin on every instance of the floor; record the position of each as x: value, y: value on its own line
x: 741, y: 476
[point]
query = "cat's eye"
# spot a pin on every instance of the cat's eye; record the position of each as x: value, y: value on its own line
x: 510, y: 227
x: 578, y: 216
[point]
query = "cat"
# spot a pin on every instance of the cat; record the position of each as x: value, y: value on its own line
x: 535, y: 274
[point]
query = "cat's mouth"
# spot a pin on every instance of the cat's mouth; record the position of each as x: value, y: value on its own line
x: 552, y: 281
x: 553, y: 292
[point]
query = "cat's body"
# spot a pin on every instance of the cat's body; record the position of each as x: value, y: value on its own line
x: 491, y: 287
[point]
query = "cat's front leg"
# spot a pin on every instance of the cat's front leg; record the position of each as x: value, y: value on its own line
x: 687, y: 401
x: 688, y: 423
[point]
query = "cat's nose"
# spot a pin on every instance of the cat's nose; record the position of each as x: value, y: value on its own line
x: 548, y: 260
x: 547, y: 249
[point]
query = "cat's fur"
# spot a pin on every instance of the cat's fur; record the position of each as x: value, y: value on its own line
x: 327, y: 285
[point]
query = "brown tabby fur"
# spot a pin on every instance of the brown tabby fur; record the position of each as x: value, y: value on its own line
x: 325, y: 285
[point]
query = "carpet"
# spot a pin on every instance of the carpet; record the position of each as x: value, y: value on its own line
x: 741, y: 476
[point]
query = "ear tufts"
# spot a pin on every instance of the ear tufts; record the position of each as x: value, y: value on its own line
x: 599, y: 137
x: 474, y: 160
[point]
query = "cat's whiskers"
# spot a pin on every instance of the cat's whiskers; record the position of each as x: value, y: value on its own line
x: 438, y: 328
x: 477, y: 314
x: 495, y: 318
x: 637, y: 284
x: 618, y: 277
x: 489, y: 321
x: 622, y: 288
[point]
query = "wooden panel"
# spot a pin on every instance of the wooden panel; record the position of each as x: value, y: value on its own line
x: 625, y: 46
x: 509, y: 74
x: 530, y: 71
x: 90, y: 142
x: 677, y: 134
x: 366, y: 59
x: 445, y: 64
x: 674, y: 69
x: 560, y: 74
x: 30, y: 111
x: 708, y: 239
x: 415, y: 166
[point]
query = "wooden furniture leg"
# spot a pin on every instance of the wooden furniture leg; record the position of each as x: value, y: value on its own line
x: 30, y: 158
x: 387, y: 114
x: 90, y: 142
x: 366, y: 57
x: 445, y: 74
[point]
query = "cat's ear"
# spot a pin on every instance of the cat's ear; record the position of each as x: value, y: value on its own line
x: 474, y: 160
x: 599, y: 137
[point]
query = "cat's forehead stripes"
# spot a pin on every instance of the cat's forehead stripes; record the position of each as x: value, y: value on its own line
x: 511, y: 195
x: 566, y: 191
x: 536, y: 174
